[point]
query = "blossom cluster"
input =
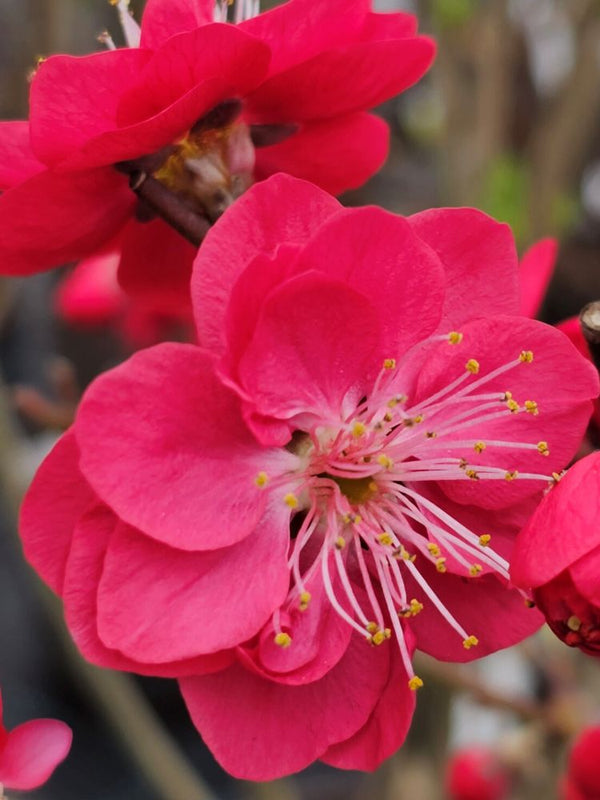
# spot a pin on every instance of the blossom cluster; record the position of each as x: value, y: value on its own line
x: 334, y: 470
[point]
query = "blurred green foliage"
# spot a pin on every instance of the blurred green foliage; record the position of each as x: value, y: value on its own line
x: 452, y: 13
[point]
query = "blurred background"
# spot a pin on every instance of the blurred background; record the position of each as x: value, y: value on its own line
x: 507, y: 120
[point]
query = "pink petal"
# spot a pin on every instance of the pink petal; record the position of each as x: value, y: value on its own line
x: 261, y: 730
x: 164, y: 445
x: 563, y: 529
x: 54, y: 218
x: 75, y: 99
x: 379, y: 70
x: 56, y: 499
x: 279, y: 210
x: 17, y: 162
x: 90, y: 294
x: 32, y: 752
x: 537, y: 266
x: 319, y: 635
x: 316, y: 344
x: 378, y: 27
x: 84, y: 571
x: 165, y: 18
x: 377, y: 254
x: 157, y: 604
x: 156, y: 265
x: 187, y: 77
x: 480, y: 260
x: 337, y: 154
x: 558, y: 379
x: 386, y: 728
x: 584, y: 574
x: 484, y: 606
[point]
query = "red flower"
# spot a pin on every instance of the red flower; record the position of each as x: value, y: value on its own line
x: 30, y: 753
x: 535, y: 272
x: 188, y: 108
x: 347, y: 458
x: 557, y: 556
x: 476, y: 773
x: 582, y: 781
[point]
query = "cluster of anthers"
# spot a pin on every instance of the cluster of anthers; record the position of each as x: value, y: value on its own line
x: 357, y: 492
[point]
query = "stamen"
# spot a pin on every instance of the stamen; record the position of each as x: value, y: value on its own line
x: 415, y: 683
x: 282, y: 639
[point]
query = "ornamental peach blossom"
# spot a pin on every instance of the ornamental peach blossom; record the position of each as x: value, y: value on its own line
x: 189, y: 119
x: 337, y: 474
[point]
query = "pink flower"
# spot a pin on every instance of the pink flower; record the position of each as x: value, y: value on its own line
x: 476, y: 773
x: 535, y: 272
x: 557, y: 556
x: 30, y: 753
x: 277, y: 517
x: 203, y: 109
x: 582, y: 781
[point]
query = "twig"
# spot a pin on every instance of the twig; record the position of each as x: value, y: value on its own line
x: 589, y: 319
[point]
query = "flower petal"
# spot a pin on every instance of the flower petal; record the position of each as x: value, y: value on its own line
x: 165, y: 18
x: 57, y: 497
x: 535, y: 272
x: 164, y: 445
x: 261, y: 730
x: 377, y: 254
x: 53, y: 218
x: 558, y: 379
x: 17, y: 162
x: 32, y: 752
x: 480, y: 260
x: 542, y: 549
x: 157, y: 604
x: 280, y: 210
x: 386, y: 728
x: 75, y: 98
x: 379, y: 70
x: 484, y: 606
x: 84, y: 571
x: 336, y: 154
x: 316, y: 343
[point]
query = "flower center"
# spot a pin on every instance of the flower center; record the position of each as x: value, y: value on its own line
x: 365, y: 493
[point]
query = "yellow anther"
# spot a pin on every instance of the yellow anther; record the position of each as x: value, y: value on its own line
x: 409, y: 422
x: 543, y: 448
x: 403, y: 553
x: 385, y: 461
x: 573, y: 623
x: 511, y: 475
x: 291, y: 500
x: 377, y: 638
x: 415, y: 683
x: 440, y: 564
x: 388, y: 417
x: 470, y: 641
x: 472, y: 474
x: 463, y: 463
x: 531, y: 407
x: 385, y: 539
x: 372, y: 487
x: 472, y: 366
x: 389, y: 363
x: 475, y: 570
x: 283, y: 639
x: 526, y: 356
x: 340, y: 543
x: 305, y: 599
x: 512, y: 405
x: 387, y: 633
x: 415, y: 607
x: 418, y: 419
x: 454, y: 337
x: 431, y: 434
x: 396, y: 400
x: 557, y: 476
x: 485, y: 539
x: 261, y: 480
x: 479, y: 447
x: 372, y: 627
x: 529, y: 603
x: 507, y: 395
x: 356, y: 519
x: 359, y: 429
x: 434, y: 549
